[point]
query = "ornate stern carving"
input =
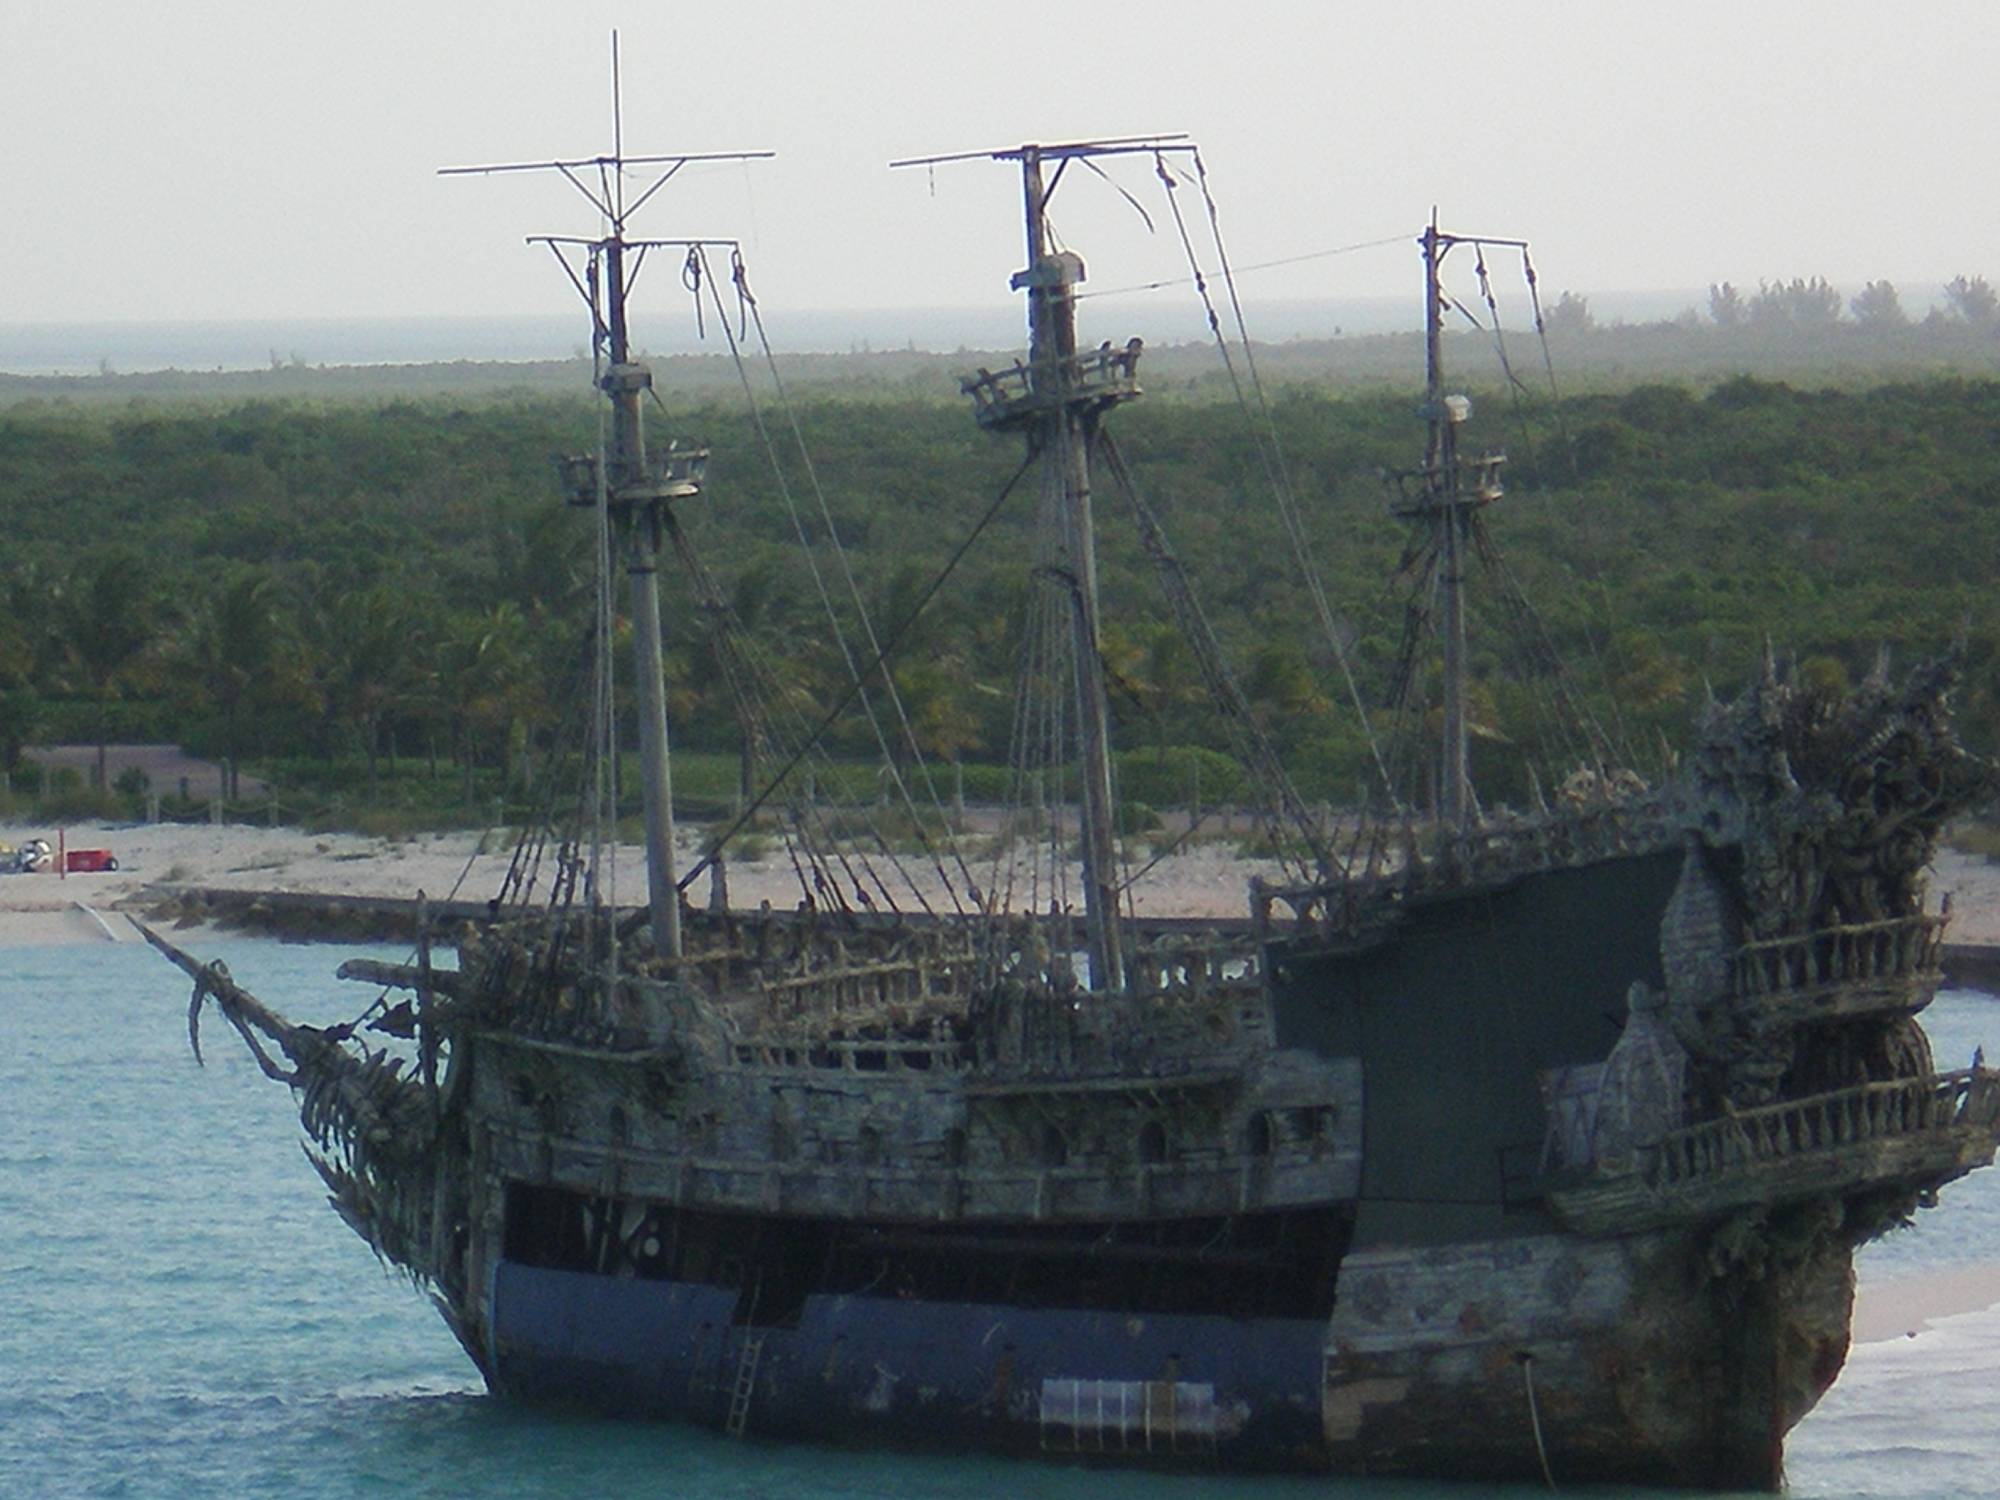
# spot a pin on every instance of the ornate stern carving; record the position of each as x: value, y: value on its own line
x: 1796, y: 952
x: 1836, y: 801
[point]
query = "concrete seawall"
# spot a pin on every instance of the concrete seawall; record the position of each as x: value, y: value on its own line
x: 305, y: 916
x: 1973, y: 966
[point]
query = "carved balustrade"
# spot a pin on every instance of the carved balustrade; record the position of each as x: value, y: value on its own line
x: 1870, y: 1113
x: 1910, y: 1134
x: 1869, y: 965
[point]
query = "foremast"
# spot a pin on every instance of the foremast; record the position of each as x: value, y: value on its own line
x: 631, y: 489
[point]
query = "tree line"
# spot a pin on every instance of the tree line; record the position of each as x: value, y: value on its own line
x: 1806, y: 304
x: 337, y: 590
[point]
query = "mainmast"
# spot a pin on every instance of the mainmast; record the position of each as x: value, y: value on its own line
x: 633, y: 487
x: 1448, y: 494
x: 1057, y: 399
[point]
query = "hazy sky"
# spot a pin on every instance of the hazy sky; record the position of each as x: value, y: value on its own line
x: 260, y: 158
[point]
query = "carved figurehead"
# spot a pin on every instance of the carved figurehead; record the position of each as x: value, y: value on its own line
x: 1797, y: 929
x: 1836, y: 798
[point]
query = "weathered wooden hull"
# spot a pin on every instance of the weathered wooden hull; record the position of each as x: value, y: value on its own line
x: 1618, y: 1361
x: 879, y: 1369
x: 1590, y: 1360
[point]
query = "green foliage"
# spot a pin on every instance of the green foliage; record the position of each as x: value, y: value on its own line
x: 1797, y: 306
x: 67, y: 799
x: 1134, y: 817
x: 383, y: 606
x: 1972, y: 300
x: 1876, y: 306
x: 1182, y: 776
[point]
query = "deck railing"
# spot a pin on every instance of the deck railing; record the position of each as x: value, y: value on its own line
x: 1195, y: 971
x: 1862, y: 952
x: 1869, y: 1113
x: 1002, y: 397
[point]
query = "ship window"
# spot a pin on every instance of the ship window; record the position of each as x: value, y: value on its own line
x: 869, y: 1145
x: 1258, y: 1136
x: 620, y: 1131
x: 1055, y: 1148
x: 1312, y: 1123
x: 954, y: 1147
x: 1152, y: 1142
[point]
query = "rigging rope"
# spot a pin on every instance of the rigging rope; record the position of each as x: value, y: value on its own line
x: 1252, y: 743
x: 1262, y: 265
x: 1548, y: 364
x: 821, y: 882
x: 1272, y: 458
x: 1515, y: 389
x: 748, y: 301
x: 857, y: 681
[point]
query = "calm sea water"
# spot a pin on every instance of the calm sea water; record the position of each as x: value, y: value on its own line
x: 181, y: 1315
x: 253, y: 344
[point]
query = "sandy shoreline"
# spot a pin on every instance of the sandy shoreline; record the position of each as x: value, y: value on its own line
x: 46, y: 908
x: 1904, y: 1306
x: 1208, y: 880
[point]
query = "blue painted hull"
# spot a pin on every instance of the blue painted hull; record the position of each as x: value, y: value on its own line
x: 1193, y: 1390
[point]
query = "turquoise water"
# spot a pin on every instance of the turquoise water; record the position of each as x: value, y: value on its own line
x: 180, y: 1314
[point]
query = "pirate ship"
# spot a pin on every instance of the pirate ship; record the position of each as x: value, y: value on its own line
x: 1496, y: 1145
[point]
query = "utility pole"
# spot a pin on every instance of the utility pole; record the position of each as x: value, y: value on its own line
x: 634, y: 487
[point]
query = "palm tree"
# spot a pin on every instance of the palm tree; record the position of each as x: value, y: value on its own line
x: 20, y: 703
x: 483, y: 681
x: 109, y: 622
x: 237, y: 651
x: 374, y: 643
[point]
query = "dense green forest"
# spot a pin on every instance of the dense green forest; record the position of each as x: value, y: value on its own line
x: 334, y: 592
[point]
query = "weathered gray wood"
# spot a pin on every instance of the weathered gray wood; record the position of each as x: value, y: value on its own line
x: 401, y: 976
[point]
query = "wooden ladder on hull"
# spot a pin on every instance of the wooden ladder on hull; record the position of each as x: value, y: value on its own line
x: 746, y: 1382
